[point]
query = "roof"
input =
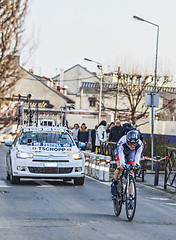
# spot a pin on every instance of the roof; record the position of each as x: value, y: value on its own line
x: 43, y: 128
x: 96, y: 85
x: 77, y: 65
x: 42, y: 81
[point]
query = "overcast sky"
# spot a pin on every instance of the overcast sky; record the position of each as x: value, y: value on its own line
x: 66, y: 31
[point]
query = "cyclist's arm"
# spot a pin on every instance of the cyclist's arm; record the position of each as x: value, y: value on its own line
x: 116, y: 153
x: 138, y: 153
x: 121, y: 156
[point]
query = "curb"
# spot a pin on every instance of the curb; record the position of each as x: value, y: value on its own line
x: 159, y: 189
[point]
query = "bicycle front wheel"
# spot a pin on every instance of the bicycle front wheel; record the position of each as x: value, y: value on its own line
x: 117, y: 202
x: 130, y: 198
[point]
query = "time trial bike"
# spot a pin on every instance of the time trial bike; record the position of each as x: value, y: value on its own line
x: 126, y: 193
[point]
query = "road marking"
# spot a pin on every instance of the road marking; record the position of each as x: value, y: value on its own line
x: 171, y: 204
x: 158, y: 199
x: 96, y: 180
x: 3, y: 184
x: 156, y: 190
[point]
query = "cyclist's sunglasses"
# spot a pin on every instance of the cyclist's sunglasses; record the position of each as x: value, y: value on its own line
x: 132, y: 144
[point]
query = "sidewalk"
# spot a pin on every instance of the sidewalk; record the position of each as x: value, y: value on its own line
x: 149, y: 180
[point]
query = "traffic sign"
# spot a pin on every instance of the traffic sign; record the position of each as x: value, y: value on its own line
x: 151, y: 99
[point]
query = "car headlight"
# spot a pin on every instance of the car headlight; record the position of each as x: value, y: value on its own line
x: 24, y: 155
x: 77, y: 156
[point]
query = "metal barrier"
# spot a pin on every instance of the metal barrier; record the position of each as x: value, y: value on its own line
x: 170, y: 168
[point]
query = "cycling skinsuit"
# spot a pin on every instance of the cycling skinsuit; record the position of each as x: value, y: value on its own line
x: 125, y: 155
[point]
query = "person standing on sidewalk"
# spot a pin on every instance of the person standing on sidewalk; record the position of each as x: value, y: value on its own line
x: 93, y: 138
x: 116, y: 132
x: 75, y: 133
x: 83, y: 134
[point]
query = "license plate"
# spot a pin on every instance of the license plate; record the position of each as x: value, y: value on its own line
x: 50, y: 164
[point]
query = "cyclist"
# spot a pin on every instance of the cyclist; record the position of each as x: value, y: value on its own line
x: 127, y: 151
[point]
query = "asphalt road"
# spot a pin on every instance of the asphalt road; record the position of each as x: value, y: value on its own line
x: 49, y: 210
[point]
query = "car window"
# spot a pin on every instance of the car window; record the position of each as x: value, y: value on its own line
x: 45, y: 137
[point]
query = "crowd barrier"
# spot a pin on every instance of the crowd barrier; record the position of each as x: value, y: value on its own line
x: 97, y: 166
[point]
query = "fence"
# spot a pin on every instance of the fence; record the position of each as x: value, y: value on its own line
x: 170, y: 168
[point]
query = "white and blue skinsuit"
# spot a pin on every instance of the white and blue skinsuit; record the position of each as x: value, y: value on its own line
x: 126, y: 155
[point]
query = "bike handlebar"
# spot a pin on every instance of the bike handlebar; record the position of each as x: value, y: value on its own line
x: 131, y: 167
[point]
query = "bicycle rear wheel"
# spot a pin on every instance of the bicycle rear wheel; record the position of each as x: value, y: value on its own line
x: 117, y: 203
x: 130, y: 200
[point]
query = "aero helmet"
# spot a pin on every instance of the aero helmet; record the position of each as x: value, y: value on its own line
x: 132, y: 137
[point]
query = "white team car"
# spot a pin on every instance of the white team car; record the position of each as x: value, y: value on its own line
x: 44, y: 152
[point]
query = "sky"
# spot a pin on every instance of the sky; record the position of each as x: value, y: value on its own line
x: 60, y: 34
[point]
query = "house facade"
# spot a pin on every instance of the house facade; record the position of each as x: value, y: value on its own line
x: 79, y: 88
x: 87, y: 98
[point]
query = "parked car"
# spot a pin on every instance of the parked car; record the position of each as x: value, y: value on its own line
x: 44, y: 152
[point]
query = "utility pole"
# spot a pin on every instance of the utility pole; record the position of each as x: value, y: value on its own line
x: 117, y: 93
x: 154, y: 86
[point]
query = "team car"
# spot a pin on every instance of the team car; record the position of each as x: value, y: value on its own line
x: 44, y: 152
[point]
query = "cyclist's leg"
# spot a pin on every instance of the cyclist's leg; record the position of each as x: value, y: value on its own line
x: 117, y: 173
x: 131, y: 186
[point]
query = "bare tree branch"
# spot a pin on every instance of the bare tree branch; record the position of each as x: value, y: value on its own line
x: 12, y: 16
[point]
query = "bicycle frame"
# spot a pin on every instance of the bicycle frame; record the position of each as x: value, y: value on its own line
x: 125, y: 189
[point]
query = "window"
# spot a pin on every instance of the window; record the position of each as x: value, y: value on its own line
x: 45, y: 137
x: 92, y: 102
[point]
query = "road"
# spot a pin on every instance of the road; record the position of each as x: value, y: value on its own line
x: 49, y: 210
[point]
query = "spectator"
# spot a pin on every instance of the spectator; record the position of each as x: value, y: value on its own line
x: 93, y: 138
x: 83, y: 134
x: 107, y: 131
x: 128, y: 127
x: 112, y: 124
x: 102, y: 131
x: 75, y: 133
x: 100, y: 134
x: 116, y: 132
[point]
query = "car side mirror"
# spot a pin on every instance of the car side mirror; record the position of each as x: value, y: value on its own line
x: 81, y: 145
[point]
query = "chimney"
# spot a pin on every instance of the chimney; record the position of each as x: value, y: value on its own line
x: 64, y: 88
x: 61, y: 77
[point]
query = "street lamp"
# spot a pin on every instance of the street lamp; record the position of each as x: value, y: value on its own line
x: 154, y: 87
x: 99, y: 65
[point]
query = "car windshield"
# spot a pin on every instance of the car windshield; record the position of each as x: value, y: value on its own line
x: 45, y: 137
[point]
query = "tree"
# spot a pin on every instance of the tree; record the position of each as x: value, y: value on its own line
x: 12, y: 16
x: 131, y: 88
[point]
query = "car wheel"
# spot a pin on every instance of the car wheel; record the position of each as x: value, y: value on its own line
x: 14, y: 180
x: 79, y: 181
x: 8, y: 176
x: 7, y: 169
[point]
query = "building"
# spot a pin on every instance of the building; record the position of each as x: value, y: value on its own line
x: 79, y: 88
